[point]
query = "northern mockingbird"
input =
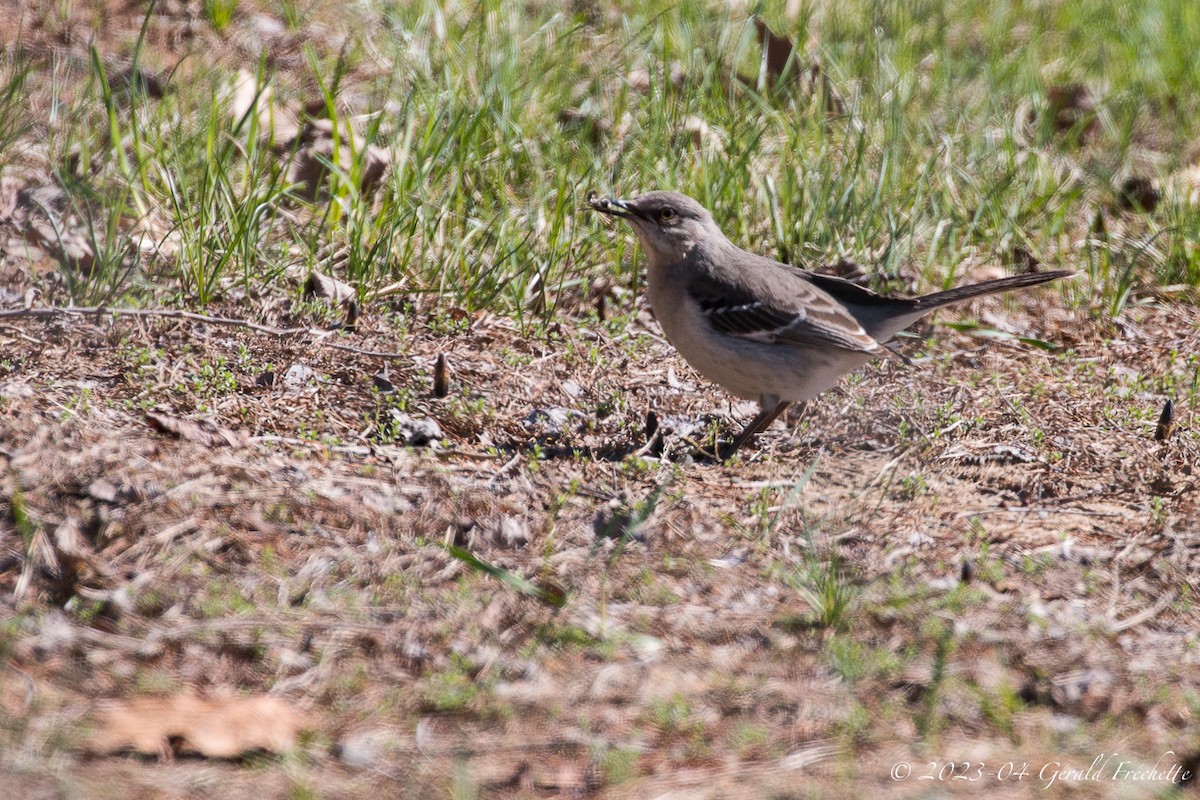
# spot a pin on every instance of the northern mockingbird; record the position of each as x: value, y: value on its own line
x: 764, y: 330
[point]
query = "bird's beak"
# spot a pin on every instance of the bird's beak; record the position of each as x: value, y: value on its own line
x: 614, y: 207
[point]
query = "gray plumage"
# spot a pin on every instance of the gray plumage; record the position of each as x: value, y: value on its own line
x: 764, y: 330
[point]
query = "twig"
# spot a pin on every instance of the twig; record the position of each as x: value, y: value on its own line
x: 364, y: 451
x: 1144, y: 615
x: 20, y: 333
x: 204, y: 319
x: 1039, y: 510
x: 171, y: 313
x: 361, y: 352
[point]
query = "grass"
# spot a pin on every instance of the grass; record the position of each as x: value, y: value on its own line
x: 930, y: 167
x: 940, y: 156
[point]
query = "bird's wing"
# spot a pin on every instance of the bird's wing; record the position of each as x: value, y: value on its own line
x: 800, y: 315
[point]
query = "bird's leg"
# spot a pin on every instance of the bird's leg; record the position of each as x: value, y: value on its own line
x: 771, y: 409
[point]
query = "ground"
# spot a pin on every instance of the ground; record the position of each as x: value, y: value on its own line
x: 446, y: 526
x: 985, y: 552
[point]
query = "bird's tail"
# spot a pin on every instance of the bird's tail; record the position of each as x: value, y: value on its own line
x: 929, y: 302
x: 883, y: 326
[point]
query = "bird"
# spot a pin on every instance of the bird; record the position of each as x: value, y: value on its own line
x: 762, y: 329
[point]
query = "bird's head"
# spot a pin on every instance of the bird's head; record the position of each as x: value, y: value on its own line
x: 668, y: 224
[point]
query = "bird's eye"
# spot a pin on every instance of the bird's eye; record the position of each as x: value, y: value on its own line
x: 667, y: 214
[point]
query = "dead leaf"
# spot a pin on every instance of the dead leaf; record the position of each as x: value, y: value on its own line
x: 76, y: 558
x: 184, y: 723
x: 784, y: 71
x: 141, y: 80
x: 106, y: 491
x: 314, y: 151
x: 1138, y: 193
x: 1068, y: 109
x: 441, y: 377
x: 822, y: 87
x: 1184, y: 185
x: 10, y: 189
x: 850, y: 270
x: 277, y: 121
x: 71, y: 248
x: 409, y: 430
x: 327, y: 288
x: 1071, y: 104
x: 350, y: 322
x: 1166, y: 422
x: 381, y: 381
x: 699, y: 135
x: 589, y: 120
x: 204, y: 432
x: 1025, y: 261
x: 640, y: 79
x: 778, y: 51
x: 41, y: 213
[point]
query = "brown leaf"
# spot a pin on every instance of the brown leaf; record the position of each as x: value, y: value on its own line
x: 204, y: 432
x: 317, y: 145
x: 1069, y: 109
x: 850, y: 270
x: 1071, y: 104
x: 785, y: 70
x: 277, y: 121
x: 698, y: 134
x: 1166, y: 422
x: 640, y: 79
x: 1025, y: 261
x: 75, y: 557
x: 71, y: 248
x: 327, y: 288
x: 212, y: 727
x: 441, y: 376
x: 777, y: 49
x: 141, y: 79
x: 588, y: 120
x: 1184, y: 185
x: 820, y: 84
x: 42, y: 211
x: 350, y: 323
x: 1138, y: 194
x: 10, y: 189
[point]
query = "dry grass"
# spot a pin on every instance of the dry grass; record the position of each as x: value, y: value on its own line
x: 984, y: 559
x: 685, y: 655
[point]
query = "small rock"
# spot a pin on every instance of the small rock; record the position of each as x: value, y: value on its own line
x: 414, y: 431
x: 297, y: 375
x: 513, y: 532
x: 360, y: 748
x: 552, y: 421
x: 648, y: 648
x: 267, y: 26
x: 617, y: 521
x: 615, y: 683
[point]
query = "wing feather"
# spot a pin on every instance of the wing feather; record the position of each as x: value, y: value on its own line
x: 807, y: 317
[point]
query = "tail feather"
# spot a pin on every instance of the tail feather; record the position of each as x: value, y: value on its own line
x: 883, y: 325
x: 929, y: 302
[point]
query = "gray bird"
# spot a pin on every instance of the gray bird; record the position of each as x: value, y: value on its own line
x: 764, y: 330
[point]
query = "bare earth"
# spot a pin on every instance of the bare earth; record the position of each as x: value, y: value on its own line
x: 975, y: 574
x: 1019, y: 549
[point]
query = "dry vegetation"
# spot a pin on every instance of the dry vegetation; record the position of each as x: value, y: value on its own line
x: 413, y: 538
